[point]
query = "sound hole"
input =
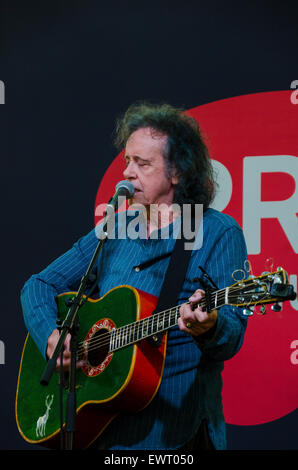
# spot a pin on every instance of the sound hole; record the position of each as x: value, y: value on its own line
x: 98, y: 348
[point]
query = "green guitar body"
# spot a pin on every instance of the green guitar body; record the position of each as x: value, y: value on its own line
x: 125, y: 380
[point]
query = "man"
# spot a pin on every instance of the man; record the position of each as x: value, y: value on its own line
x: 168, y: 163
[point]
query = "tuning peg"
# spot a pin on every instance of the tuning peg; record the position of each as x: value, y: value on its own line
x: 263, y: 309
x: 248, y: 312
x: 269, y: 264
x: 286, y: 277
x: 276, y: 307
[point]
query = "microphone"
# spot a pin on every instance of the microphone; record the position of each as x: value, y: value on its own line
x: 124, y: 189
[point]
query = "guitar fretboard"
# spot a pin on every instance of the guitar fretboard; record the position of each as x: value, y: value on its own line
x: 245, y: 293
x: 156, y: 323
x: 145, y: 328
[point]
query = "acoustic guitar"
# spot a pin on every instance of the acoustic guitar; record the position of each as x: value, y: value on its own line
x: 122, y: 367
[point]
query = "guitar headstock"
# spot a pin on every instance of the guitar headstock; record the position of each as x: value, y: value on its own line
x: 269, y: 288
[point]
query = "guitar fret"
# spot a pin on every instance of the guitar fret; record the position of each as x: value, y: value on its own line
x: 124, y: 335
x: 113, y: 333
x: 129, y: 331
x: 146, y: 324
x: 215, y: 301
x: 152, y: 325
x: 132, y: 333
x: 111, y: 341
x: 169, y: 318
x: 142, y: 329
x: 116, y: 339
x: 135, y: 332
x: 158, y: 322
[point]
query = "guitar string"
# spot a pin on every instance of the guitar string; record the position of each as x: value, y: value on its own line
x: 134, y: 328
x: 130, y: 337
x: 154, y: 319
x: 122, y: 332
x: 220, y: 293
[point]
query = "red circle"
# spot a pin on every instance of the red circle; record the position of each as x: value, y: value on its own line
x: 260, y: 383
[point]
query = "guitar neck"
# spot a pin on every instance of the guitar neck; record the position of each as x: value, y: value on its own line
x: 157, y: 323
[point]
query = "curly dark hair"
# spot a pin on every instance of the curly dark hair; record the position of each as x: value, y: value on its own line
x: 186, y: 151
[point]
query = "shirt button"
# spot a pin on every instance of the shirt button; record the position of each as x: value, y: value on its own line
x: 137, y: 269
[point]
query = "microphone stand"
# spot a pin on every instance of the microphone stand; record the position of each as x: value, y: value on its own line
x: 71, y: 325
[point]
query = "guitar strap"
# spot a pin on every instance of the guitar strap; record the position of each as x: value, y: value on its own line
x: 174, y: 278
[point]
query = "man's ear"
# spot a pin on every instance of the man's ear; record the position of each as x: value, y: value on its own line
x: 174, y: 178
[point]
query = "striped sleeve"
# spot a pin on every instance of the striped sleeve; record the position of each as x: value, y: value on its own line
x: 39, y: 292
x: 229, y: 254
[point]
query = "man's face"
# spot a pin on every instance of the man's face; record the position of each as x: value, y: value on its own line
x: 146, y: 168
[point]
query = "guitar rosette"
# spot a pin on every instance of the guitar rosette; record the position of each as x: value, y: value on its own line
x: 96, y: 355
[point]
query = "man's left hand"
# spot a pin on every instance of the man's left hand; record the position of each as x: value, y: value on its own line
x: 193, y: 319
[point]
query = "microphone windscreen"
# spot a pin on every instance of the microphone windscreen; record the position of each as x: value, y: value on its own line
x: 126, y: 188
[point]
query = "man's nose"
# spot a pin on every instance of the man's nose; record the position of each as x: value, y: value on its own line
x: 129, y: 172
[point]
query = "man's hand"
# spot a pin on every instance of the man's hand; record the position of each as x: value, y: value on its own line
x: 194, y: 320
x: 52, y: 341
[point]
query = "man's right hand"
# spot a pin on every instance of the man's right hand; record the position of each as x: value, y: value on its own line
x: 52, y: 342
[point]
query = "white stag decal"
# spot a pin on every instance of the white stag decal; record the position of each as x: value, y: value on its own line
x: 42, y: 420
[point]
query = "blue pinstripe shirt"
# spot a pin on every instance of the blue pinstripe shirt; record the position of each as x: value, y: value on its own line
x: 191, y: 386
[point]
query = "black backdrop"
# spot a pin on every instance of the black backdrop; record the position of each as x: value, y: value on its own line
x: 69, y: 69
